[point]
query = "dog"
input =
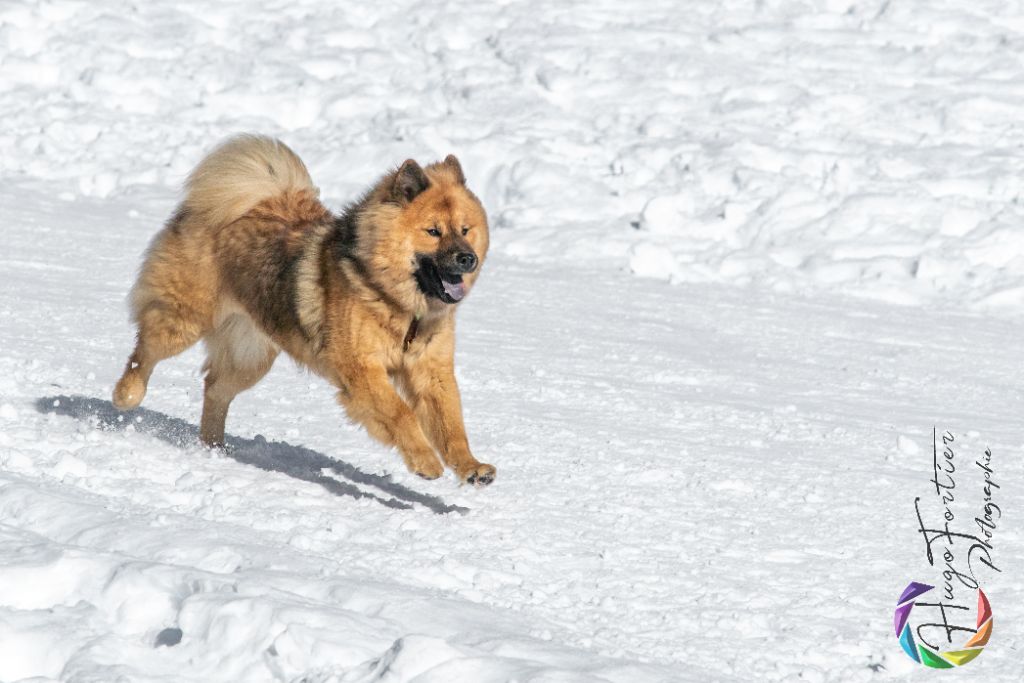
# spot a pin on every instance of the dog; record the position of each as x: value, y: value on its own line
x: 252, y: 263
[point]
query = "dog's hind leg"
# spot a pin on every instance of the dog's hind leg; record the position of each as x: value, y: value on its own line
x: 238, y: 356
x: 172, y: 305
x: 165, y: 330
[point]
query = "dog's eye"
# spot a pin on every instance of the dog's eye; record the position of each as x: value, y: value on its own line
x: 465, y: 230
x: 433, y: 232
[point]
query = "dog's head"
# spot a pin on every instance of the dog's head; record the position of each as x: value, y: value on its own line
x: 430, y: 234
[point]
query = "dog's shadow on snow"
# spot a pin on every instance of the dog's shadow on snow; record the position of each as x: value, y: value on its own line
x: 274, y: 456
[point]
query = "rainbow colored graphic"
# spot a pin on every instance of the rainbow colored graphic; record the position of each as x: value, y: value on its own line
x: 939, y: 660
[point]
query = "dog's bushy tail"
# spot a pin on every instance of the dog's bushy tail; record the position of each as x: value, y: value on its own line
x: 239, y: 174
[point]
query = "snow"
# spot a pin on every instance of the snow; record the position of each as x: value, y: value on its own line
x: 862, y: 147
x: 745, y: 255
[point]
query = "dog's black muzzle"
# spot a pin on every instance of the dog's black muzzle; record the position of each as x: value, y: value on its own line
x: 457, y: 262
x: 440, y: 276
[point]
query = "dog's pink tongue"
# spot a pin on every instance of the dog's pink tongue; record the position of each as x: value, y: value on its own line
x: 455, y: 290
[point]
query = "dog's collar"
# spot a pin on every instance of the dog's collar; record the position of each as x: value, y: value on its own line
x: 410, y: 336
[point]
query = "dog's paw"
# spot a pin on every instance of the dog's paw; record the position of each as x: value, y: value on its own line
x: 479, y: 475
x: 428, y: 467
x: 129, y: 392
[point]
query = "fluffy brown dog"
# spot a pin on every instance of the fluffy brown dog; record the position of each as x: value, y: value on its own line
x: 252, y: 263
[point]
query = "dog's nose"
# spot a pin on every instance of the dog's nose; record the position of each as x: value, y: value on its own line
x: 466, y: 261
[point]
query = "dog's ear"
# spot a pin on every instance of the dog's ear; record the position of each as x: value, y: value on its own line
x: 456, y: 168
x: 410, y: 181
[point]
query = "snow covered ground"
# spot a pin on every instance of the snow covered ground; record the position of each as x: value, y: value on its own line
x: 706, y: 473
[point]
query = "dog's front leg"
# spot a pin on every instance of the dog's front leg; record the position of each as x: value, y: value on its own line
x: 369, y: 399
x: 435, y: 397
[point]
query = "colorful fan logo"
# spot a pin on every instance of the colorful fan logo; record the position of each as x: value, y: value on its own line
x: 924, y: 655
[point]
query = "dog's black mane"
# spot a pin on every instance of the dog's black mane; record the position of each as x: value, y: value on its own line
x: 344, y: 234
x: 342, y: 243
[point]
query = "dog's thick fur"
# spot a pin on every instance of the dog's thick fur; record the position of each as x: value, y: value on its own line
x: 252, y: 263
